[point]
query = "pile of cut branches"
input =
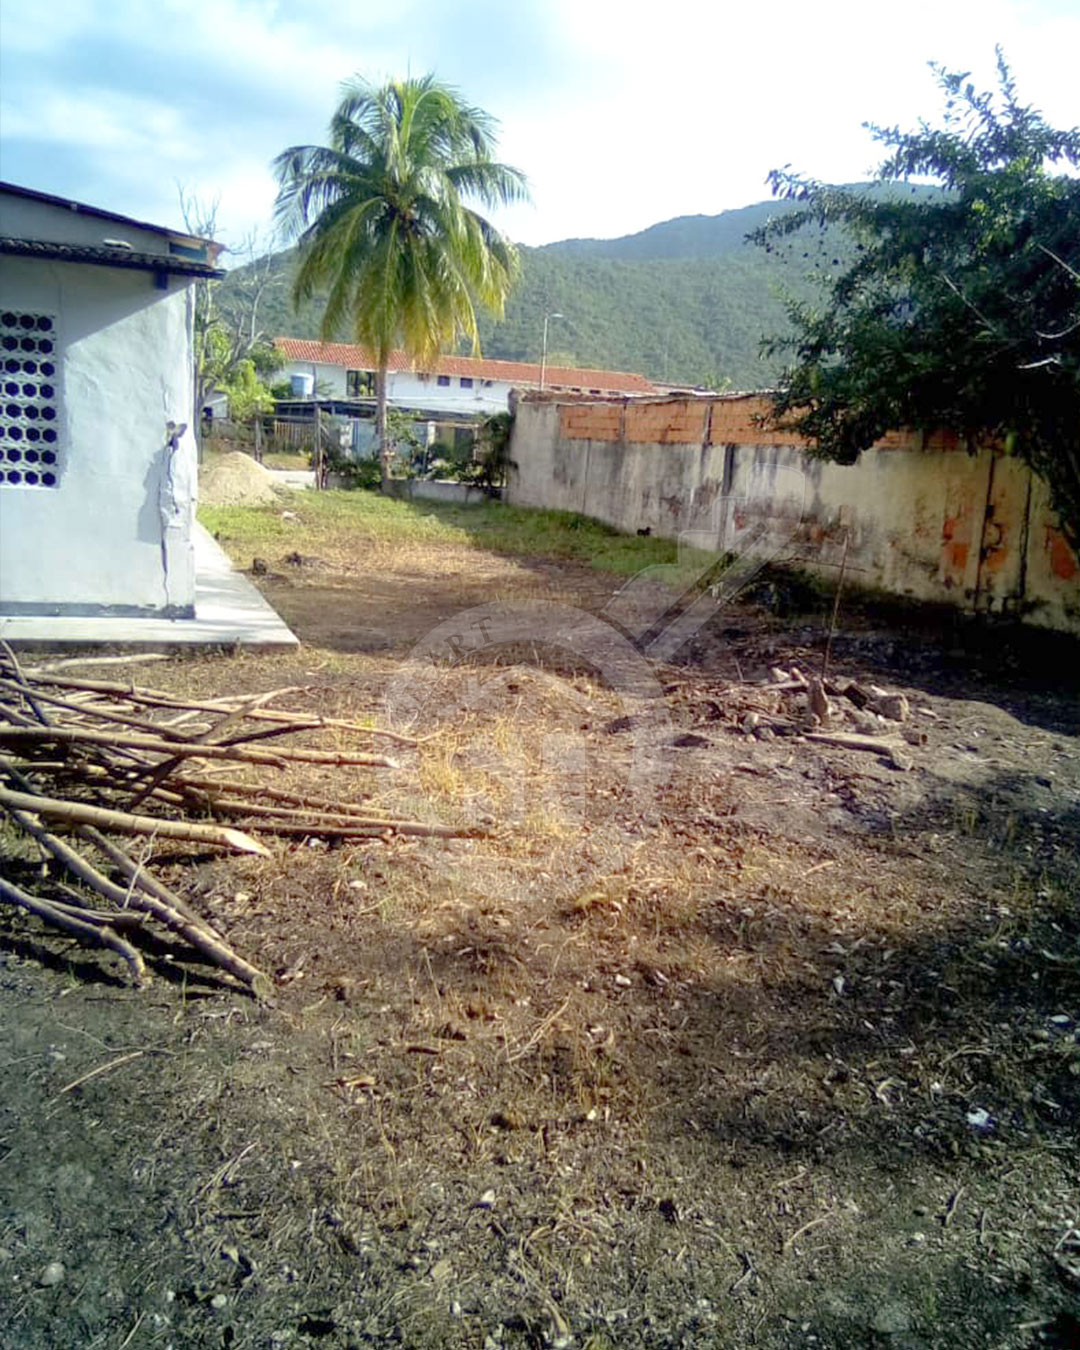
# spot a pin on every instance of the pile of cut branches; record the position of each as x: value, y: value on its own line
x: 84, y: 759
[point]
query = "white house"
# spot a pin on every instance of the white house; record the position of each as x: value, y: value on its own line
x: 460, y: 385
x: 97, y: 455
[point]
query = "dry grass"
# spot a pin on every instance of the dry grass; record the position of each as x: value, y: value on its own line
x: 684, y: 1067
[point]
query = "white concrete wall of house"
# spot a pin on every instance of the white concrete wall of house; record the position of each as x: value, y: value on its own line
x: 913, y: 518
x: 24, y: 218
x: 115, y: 534
x: 406, y: 389
x: 410, y: 390
x: 329, y: 380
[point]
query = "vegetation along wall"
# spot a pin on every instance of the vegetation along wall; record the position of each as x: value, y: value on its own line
x: 919, y: 516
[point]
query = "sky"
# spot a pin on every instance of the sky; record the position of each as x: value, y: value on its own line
x: 620, y: 113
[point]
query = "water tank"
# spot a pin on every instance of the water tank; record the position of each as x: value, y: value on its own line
x: 303, y: 386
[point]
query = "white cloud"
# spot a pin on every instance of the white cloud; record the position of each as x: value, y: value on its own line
x: 622, y: 113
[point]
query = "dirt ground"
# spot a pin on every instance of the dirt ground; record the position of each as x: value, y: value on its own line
x: 719, y: 1037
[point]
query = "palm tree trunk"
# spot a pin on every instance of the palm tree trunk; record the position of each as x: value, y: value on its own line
x: 381, y: 442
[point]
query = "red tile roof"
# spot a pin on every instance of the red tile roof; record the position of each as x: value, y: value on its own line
x: 350, y: 357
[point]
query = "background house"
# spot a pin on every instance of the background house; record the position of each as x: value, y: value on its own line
x: 97, y: 453
x: 461, y: 385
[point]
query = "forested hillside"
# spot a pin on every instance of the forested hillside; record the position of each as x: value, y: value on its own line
x: 687, y: 300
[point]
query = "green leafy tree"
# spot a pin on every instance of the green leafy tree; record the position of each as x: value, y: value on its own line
x: 249, y: 399
x: 385, y: 229
x: 492, y: 463
x: 958, y: 308
x: 226, y: 334
x: 402, y: 436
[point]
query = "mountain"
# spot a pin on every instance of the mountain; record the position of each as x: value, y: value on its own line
x: 681, y: 238
x: 684, y: 301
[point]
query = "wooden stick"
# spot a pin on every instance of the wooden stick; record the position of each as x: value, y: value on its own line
x: 155, y: 697
x: 165, y: 769
x: 91, y: 710
x: 138, y: 694
x: 196, y: 931
x: 204, y: 939
x: 125, y: 823
x: 137, y: 874
x: 836, y: 608
x: 158, y: 900
x: 101, y: 1068
x: 813, y: 1223
x: 256, y: 816
x: 275, y: 732
x: 21, y: 684
x: 244, y: 709
x: 77, y: 736
x: 850, y: 741
x: 274, y: 794
x: 72, y: 860
x: 102, y: 936
x: 113, y: 918
x: 159, y: 698
x: 280, y: 715
x: 310, y: 814
x: 152, y: 786
x: 371, y: 829
x: 16, y: 765
x: 227, y: 701
x: 137, y: 658
x: 257, y: 810
x: 145, y: 893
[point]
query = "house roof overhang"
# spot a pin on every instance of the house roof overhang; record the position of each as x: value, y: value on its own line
x: 183, y: 239
x: 101, y: 255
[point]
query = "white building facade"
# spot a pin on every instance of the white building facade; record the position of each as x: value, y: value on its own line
x: 97, y: 453
x: 457, y: 385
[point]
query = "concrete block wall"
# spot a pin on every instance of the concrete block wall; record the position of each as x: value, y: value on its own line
x: 920, y: 516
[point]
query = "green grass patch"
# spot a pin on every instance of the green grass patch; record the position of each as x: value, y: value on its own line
x: 285, y: 459
x: 347, y: 519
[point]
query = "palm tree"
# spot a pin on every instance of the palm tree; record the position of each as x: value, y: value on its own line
x: 384, y: 228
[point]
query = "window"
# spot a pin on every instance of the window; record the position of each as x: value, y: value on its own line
x: 360, y: 384
x: 443, y: 381
x: 466, y: 383
x: 29, y: 407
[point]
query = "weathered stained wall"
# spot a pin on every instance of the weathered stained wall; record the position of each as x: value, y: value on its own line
x: 921, y: 516
x: 115, y: 534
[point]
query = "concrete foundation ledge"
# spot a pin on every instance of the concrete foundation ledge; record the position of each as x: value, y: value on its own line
x: 229, y: 613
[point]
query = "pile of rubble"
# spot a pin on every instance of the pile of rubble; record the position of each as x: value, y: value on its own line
x: 844, y: 713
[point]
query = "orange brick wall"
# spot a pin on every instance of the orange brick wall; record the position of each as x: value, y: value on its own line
x: 590, y: 421
x: 680, y: 422
x: 733, y: 423
x: 728, y: 421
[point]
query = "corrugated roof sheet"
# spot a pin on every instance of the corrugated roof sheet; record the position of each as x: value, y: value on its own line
x: 352, y: 357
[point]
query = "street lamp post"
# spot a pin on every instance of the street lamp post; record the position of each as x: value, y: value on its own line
x: 543, y: 347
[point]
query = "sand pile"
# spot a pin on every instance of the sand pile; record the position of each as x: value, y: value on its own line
x: 236, y: 480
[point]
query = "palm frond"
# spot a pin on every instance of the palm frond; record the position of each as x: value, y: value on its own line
x: 386, y: 221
